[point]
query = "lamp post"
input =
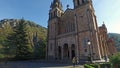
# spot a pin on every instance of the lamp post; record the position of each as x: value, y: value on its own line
x: 90, y: 56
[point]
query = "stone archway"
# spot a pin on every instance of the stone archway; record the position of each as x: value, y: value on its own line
x: 59, y: 52
x: 73, y: 50
x: 65, y: 51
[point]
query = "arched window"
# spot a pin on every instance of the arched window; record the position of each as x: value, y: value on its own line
x: 78, y: 2
x: 84, y: 42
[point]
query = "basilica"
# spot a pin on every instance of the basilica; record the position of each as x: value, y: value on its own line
x: 75, y: 33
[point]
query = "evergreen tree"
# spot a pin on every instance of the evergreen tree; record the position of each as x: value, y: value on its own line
x: 40, y: 49
x: 9, y: 46
x: 10, y: 37
x: 17, y: 43
x: 23, y: 49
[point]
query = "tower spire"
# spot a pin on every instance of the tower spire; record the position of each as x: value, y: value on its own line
x: 56, y: 3
x: 78, y: 3
x: 55, y: 9
x: 56, y: 0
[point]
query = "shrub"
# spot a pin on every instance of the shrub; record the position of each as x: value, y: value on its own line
x: 106, y: 65
x: 87, y: 66
x: 115, y: 60
x: 103, y: 65
x: 95, y: 65
x: 2, y: 56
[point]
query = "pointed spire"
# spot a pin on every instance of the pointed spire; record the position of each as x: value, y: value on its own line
x: 56, y: 3
x: 103, y: 24
x: 55, y: 9
x: 79, y: 3
x: 67, y: 6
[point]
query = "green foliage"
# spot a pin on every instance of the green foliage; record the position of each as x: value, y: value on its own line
x: 2, y: 56
x: 94, y: 65
x: 97, y: 65
x: 105, y: 65
x: 87, y: 66
x: 116, y: 37
x: 11, y: 35
x: 115, y: 59
x: 21, y: 41
x: 40, y: 49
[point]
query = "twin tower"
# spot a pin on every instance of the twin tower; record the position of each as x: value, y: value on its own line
x: 75, y: 33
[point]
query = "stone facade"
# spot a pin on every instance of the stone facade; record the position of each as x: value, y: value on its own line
x: 70, y: 31
x: 107, y: 45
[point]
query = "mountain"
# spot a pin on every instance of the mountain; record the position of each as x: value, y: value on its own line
x: 36, y: 33
x: 116, y: 37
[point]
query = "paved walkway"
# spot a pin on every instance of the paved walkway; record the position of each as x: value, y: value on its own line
x: 70, y: 66
x: 33, y: 64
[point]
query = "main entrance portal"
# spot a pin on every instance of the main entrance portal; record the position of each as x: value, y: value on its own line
x: 65, y: 51
x: 73, y: 50
x: 59, y: 52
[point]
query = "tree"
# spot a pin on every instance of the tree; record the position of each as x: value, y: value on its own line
x: 9, y: 45
x: 115, y: 60
x: 23, y: 49
x: 18, y: 41
x: 9, y: 37
x: 40, y: 49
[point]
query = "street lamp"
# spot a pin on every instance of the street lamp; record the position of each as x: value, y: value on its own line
x: 90, y: 57
x: 88, y: 42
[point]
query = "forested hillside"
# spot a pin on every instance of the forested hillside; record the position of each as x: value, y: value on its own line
x: 36, y: 35
x: 116, y: 37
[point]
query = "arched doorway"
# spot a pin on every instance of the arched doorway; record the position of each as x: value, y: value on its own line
x: 59, y: 52
x: 65, y: 51
x: 73, y: 50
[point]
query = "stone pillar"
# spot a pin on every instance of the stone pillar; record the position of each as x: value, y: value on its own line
x: 70, y: 56
x: 77, y: 54
x: 62, y: 50
x: 101, y: 47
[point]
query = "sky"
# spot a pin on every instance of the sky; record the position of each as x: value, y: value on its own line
x: 107, y: 11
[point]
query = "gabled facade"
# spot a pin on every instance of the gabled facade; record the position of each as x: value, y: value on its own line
x: 70, y: 31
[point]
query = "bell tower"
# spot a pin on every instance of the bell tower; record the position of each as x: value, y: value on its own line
x: 87, y: 27
x: 54, y: 14
x: 78, y: 3
x: 55, y: 9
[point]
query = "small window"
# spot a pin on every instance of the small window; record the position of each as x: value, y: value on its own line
x: 78, y: 2
x: 84, y: 42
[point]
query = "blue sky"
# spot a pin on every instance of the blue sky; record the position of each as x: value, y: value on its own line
x: 37, y: 11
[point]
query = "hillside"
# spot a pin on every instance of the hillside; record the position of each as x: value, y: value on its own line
x: 36, y: 33
x: 116, y: 38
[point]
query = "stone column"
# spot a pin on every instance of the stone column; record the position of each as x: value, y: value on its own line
x: 62, y: 50
x: 77, y: 51
x: 70, y: 56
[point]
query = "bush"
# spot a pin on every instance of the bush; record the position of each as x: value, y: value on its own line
x: 2, y: 56
x: 103, y: 65
x: 106, y: 65
x: 95, y: 65
x: 87, y: 66
x: 115, y: 60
